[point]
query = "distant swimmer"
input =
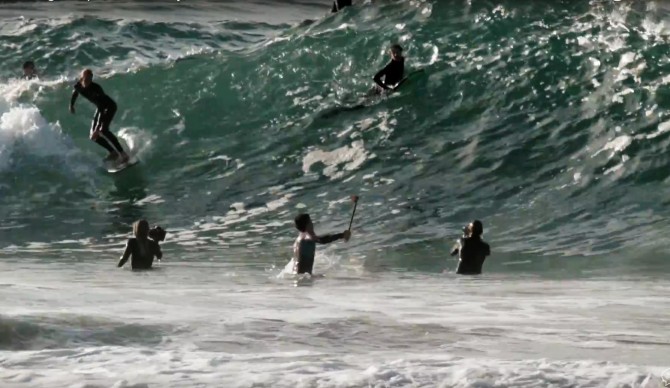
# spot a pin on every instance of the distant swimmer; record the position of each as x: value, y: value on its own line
x: 144, y: 246
x: 304, y: 247
x: 473, y: 250
x: 393, y: 72
x: 106, y: 108
x: 29, y: 71
x: 339, y: 4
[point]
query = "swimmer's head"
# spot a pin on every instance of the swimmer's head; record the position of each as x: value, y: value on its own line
x: 396, y: 51
x: 303, y: 222
x: 28, y: 68
x: 476, y: 228
x: 141, y: 229
x: 86, y: 77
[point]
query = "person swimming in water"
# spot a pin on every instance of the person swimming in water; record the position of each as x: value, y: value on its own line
x: 472, y: 249
x: 106, y: 108
x: 339, y: 4
x: 143, y: 247
x: 393, y: 72
x: 29, y: 70
x: 304, y: 247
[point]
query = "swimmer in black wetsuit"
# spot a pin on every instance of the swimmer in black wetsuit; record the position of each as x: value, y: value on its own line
x: 141, y: 248
x: 473, y: 250
x: 106, y: 108
x: 304, y: 247
x: 339, y: 4
x: 394, y: 70
x: 29, y: 70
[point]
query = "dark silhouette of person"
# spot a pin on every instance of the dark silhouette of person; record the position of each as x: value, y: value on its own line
x: 143, y: 247
x: 339, y: 4
x: 472, y: 249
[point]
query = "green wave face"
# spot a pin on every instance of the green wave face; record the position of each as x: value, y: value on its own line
x: 545, y: 121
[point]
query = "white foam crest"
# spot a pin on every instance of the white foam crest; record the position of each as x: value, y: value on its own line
x: 137, y: 140
x: 352, y: 157
x: 22, y: 128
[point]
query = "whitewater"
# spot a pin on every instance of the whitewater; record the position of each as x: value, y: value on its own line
x: 545, y: 121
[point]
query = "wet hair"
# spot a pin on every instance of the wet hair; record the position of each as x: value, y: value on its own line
x: 87, y: 72
x: 301, y: 222
x: 28, y: 65
x: 396, y: 48
x: 141, y: 229
x: 477, y: 228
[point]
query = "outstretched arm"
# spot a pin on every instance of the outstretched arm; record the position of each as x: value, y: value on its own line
x: 125, y: 257
x: 329, y: 238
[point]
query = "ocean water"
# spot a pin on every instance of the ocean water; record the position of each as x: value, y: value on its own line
x: 545, y: 121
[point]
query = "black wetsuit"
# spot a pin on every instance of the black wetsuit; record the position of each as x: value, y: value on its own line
x: 106, y: 108
x: 473, y: 252
x: 305, y: 263
x: 392, y: 73
x: 141, y: 258
x: 339, y: 4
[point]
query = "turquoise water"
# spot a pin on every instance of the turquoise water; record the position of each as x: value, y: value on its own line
x: 549, y: 126
x: 545, y: 121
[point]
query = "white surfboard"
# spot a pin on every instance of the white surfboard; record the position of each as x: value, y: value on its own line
x: 112, y: 167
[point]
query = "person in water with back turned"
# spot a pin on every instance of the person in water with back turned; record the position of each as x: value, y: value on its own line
x: 393, y: 72
x: 304, y: 247
x: 106, y: 108
x: 473, y: 250
x: 144, y: 246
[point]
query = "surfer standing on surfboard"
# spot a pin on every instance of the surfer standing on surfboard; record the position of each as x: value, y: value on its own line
x: 304, y: 247
x: 106, y: 108
x: 393, y: 72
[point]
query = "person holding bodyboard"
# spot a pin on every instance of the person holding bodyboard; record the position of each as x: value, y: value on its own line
x: 106, y: 108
